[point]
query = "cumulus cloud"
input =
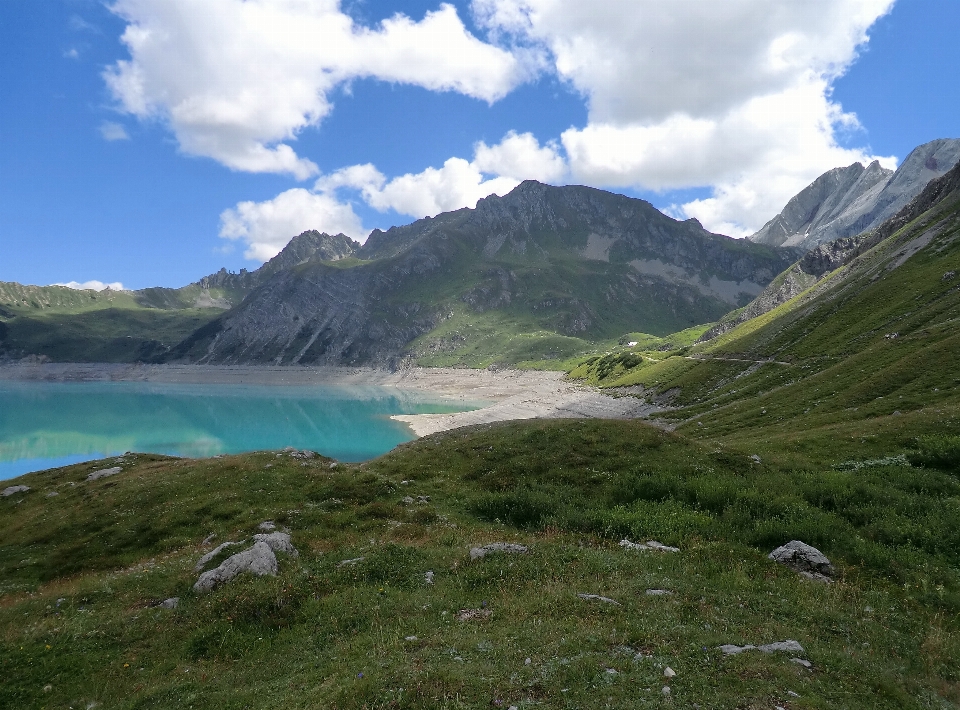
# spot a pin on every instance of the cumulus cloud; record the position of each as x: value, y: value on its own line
x: 93, y: 286
x: 734, y: 95
x: 113, y: 131
x: 237, y: 79
x: 266, y: 227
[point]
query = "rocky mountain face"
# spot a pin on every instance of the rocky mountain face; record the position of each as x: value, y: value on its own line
x: 572, y: 260
x: 844, y: 202
x: 826, y: 258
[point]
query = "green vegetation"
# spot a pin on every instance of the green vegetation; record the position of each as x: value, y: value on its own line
x: 82, y: 572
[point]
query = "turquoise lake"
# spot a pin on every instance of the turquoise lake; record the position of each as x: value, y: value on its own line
x: 46, y: 424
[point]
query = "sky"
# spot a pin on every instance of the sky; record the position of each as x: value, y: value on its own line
x: 151, y: 142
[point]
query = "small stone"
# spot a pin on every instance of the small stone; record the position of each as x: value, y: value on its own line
x: 755, y: 458
x: 405, y: 483
x: 897, y: 413
x: 170, y: 603
x: 477, y: 553
x: 333, y: 464
x: 730, y: 649
x: 805, y: 559
x: 658, y: 592
x: 668, y: 672
x: 423, y: 499
x: 410, y: 638
x: 792, y: 694
x: 47, y: 688
x: 267, y: 526
x: 527, y: 662
x: 598, y: 598
x: 103, y: 473
x: 948, y: 275
x: 428, y: 577
x: 52, y: 494
x: 350, y: 563
x: 473, y: 614
x: 10, y: 490
x: 407, y: 500
x: 665, y: 690
x: 611, y: 671
x: 208, y: 539
x: 648, y: 545
x: 801, y: 662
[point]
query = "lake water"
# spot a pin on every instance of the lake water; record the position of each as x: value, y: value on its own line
x: 44, y: 424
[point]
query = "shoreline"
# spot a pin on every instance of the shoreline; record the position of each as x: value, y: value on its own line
x: 513, y: 394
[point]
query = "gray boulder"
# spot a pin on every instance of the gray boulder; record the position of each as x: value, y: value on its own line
x: 803, y: 558
x: 202, y: 562
x: 10, y: 490
x: 170, y: 603
x: 103, y: 473
x: 278, y: 542
x: 477, y: 553
x: 258, y: 560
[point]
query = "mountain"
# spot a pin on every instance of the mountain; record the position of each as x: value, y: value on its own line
x: 867, y: 350
x: 846, y: 201
x: 539, y: 273
x: 64, y: 324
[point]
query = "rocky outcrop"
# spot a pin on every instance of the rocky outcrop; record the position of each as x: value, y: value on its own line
x: 805, y: 559
x: 844, y: 202
x: 477, y: 553
x: 258, y: 560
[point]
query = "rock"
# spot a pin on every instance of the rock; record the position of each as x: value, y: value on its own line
x: 473, y: 614
x: 801, y: 662
x: 658, y: 592
x: 648, y: 545
x: 267, y: 526
x: 423, y: 499
x: 668, y: 672
x: 665, y: 690
x: 949, y: 275
x: 478, y: 552
x: 103, y: 473
x: 755, y: 458
x: 410, y: 638
x: 258, y: 560
x: 803, y: 558
x: 10, y: 490
x: 52, y: 494
x: 348, y: 563
x: 208, y: 539
x: 788, y: 646
x: 598, y: 598
x: 202, y: 562
x: 428, y: 577
x: 407, y: 500
x: 278, y: 542
x: 170, y: 603
x: 730, y: 649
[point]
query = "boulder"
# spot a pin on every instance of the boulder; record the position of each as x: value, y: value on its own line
x: 477, y: 553
x: 103, y: 473
x: 202, y: 562
x: 278, y: 542
x: 258, y: 560
x: 170, y: 603
x: 267, y: 526
x: 803, y: 558
x: 10, y: 490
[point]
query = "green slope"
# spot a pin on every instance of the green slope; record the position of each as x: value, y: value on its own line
x: 81, y: 574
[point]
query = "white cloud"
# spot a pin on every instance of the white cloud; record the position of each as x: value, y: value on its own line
x: 71, y: 53
x: 235, y: 79
x: 458, y: 183
x: 113, y: 131
x: 266, y: 227
x: 93, y: 286
x: 734, y: 95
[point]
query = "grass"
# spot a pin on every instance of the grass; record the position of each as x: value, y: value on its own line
x: 81, y: 572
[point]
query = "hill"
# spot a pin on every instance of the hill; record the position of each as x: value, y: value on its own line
x: 540, y: 274
x: 844, y: 202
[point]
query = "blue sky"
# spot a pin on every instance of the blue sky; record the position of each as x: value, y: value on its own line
x: 156, y: 157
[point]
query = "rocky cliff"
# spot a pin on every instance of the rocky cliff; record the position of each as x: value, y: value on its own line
x: 844, y: 202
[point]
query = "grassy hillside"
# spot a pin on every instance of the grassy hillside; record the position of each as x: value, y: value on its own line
x: 82, y: 573
x: 69, y: 325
